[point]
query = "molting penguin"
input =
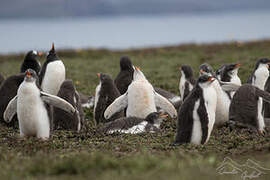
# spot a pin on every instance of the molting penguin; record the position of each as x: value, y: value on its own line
x: 64, y: 120
x: 140, y: 99
x: 29, y: 104
x: 196, y: 116
x: 125, y: 76
x: 134, y: 125
x: 106, y: 93
x: 52, y: 74
x: 245, y: 107
x: 8, y: 90
x: 187, y: 81
x: 31, y: 62
x: 206, y: 69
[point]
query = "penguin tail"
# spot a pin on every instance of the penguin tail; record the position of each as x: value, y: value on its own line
x: 263, y: 94
x: 227, y: 86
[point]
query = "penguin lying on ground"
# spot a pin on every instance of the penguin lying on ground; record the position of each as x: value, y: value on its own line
x: 106, y: 93
x: 187, y: 81
x: 140, y: 99
x: 64, y: 120
x: 52, y: 74
x: 8, y: 90
x: 134, y: 125
x: 29, y: 104
x: 196, y: 116
x: 30, y: 61
x: 245, y: 107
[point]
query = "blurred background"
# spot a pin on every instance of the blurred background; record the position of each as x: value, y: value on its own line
x: 122, y: 24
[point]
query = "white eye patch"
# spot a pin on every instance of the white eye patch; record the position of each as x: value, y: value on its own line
x: 35, y: 52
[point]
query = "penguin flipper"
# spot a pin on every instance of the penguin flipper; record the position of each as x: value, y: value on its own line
x: 118, y: 104
x: 57, y: 102
x: 164, y: 104
x: 227, y: 86
x: 11, y: 109
x: 265, y: 95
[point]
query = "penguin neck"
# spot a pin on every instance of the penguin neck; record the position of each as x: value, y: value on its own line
x: 260, y: 76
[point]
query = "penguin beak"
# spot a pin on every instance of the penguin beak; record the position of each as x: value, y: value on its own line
x: 40, y: 54
x: 52, y: 47
x: 98, y: 74
x: 237, y: 66
x: 211, y: 79
x: 137, y: 68
x: 202, y: 71
x: 28, y: 74
x: 163, y: 115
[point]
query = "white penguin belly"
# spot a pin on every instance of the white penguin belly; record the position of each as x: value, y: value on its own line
x: 141, y: 100
x: 54, y: 77
x: 261, y: 75
x: 222, y: 105
x: 97, y: 97
x: 182, y: 86
x: 32, y: 114
x: 260, y: 119
x: 196, y: 135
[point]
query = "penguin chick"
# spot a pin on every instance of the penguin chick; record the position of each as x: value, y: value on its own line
x: 196, y: 116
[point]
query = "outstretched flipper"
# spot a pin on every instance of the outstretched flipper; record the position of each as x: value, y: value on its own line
x: 227, y: 86
x: 11, y: 109
x: 265, y: 95
x: 164, y: 104
x: 118, y: 104
x: 57, y: 102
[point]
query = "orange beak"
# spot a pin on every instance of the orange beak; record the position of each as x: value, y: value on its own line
x: 40, y: 53
x: 98, y: 74
x: 52, y: 47
x: 237, y: 65
x: 137, y: 68
x: 28, y: 74
x: 211, y: 79
x: 163, y: 115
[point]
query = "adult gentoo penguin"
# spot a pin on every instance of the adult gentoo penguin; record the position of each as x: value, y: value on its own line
x: 245, y: 107
x: 30, y: 61
x: 64, y: 120
x: 52, y: 74
x: 140, y: 99
x: 8, y: 90
x: 125, y: 76
x: 106, y: 93
x: 29, y: 104
x: 134, y: 125
x: 196, y: 116
x: 187, y: 81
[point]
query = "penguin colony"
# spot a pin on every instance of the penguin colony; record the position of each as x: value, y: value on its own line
x: 40, y: 100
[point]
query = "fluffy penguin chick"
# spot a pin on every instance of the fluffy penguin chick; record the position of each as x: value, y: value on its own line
x: 125, y: 76
x: 64, y: 120
x: 246, y: 106
x: 30, y: 108
x: 187, y: 81
x: 106, y: 93
x: 196, y: 116
x: 140, y: 99
x: 134, y: 125
x: 52, y: 74
x: 31, y: 62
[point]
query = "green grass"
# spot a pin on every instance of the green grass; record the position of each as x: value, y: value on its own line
x: 70, y: 155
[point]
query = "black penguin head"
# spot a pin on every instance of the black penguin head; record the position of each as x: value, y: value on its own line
x: 186, y: 71
x: 32, y: 55
x: 126, y: 64
x: 52, y: 56
x: 231, y: 69
x: 219, y: 70
x: 205, y: 81
x: 206, y: 69
x: 263, y: 62
x: 154, y: 117
x: 30, y: 75
x: 104, y: 78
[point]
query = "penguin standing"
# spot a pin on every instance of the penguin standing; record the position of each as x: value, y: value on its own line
x: 140, y: 99
x: 125, y: 76
x: 30, y: 61
x: 52, y: 74
x: 187, y: 81
x: 134, y: 125
x: 106, y: 93
x: 8, y: 90
x: 29, y: 104
x: 64, y: 120
x: 196, y: 116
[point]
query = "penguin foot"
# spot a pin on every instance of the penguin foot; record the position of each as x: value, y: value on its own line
x: 262, y: 132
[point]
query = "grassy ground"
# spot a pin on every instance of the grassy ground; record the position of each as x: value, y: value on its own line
x: 70, y: 155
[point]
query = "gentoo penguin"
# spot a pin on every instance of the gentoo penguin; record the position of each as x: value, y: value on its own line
x: 134, y: 125
x: 230, y: 74
x: 245, y: 107
x: 106, y: 93
x: 260, y: 74
x: 206, y: 69
x: 2, y: 78
x: 29, y: 104
x: 140, y: 99
x: 64, y: 120
x: 8, y: 90
x: 52, y: 74
x: 31, y: 62
x: 173, y: 98
x: 187, y: 81
x: 125, y: 76
x: 196, y: 116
